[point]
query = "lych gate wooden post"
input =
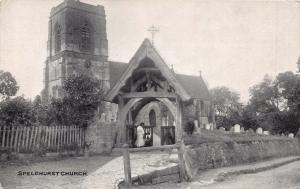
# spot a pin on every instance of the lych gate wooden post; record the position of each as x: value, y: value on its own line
x: 182, y: 173
x: 127, y: 168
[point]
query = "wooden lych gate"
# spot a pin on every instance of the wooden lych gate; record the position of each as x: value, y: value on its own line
x: 147, y: 79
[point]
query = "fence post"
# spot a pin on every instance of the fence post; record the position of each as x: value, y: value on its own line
x: 127, y: 169
x: 182, y: 173
x: 3, y: 135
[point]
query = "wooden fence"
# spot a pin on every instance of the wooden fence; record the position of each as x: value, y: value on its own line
x: 34, y: 138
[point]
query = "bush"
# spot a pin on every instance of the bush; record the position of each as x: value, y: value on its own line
x: 16, y: 111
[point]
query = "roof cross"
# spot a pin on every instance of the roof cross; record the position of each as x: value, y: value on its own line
x: 153, y: 30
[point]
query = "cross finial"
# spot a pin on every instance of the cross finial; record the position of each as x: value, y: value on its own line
x: 153, y: 30
x: 172, y: 67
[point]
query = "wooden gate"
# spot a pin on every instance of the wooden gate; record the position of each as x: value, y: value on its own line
x: 167, y: 135
x: 132, y: 135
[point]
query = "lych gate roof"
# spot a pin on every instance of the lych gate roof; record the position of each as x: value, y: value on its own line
x: 186, y: 86
x: 194, y: 85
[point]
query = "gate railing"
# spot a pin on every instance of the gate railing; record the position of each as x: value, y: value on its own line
x: 167, y: 135
x: 132, y: 135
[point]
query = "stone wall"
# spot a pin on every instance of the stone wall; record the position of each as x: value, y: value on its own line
x: 100, y: 137
x: 220, y: 154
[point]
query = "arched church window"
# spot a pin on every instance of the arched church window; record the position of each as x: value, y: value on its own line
x: 57, y: 38
x: 85, y: 37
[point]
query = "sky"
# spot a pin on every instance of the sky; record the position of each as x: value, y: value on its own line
x: 232, y: 43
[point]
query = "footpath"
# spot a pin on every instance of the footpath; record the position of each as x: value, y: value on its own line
x: 112, y: 173
x: 216, y: 175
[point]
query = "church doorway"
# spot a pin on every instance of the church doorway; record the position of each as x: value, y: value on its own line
x: 152, y: 118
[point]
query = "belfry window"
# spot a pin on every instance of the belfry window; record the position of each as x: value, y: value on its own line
x: 57, y: 38
x: 85, y: 37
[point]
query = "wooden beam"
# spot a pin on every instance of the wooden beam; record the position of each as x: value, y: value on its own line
x: 149, y: 94
x: 127, y: 168
x: 147, y: 69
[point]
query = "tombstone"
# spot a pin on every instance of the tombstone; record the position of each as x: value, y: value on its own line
x: 291, y: 135
x: 242, y: 129
x: 197, y: 127
x: 207, y: 126
x: 222, y: 129
x: 236, y: 128
x: 196, y: 123
x: 211, y: 125
x: 102, y: 118
x: 231, y: 129
x: 282, y: 134
x: 266, y: 133
x: 259, y: 130
x: 250, y: 130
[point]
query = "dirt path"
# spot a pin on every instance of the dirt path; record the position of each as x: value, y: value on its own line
x: 10, y: 180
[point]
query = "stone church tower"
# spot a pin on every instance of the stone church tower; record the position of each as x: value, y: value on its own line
x: 77, y: 43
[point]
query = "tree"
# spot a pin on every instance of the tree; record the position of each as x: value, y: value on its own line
x: 249, y: 118
x: 8, y: 85
x: 227, y: 106
x: 265, y: 96
x: 83, y: 96
x: 16, y: 111
x: 288, y: 86
x: 275, y: 103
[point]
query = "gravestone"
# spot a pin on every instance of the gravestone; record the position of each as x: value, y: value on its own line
x: 291, y: 135
x: 250, y: 130
x: 211, y: 126
x: 196, y: 123
x: 242, y: 129
x: 207, y: 126
x: 259, y: 130
x: 222, y: 129
x: 231, y: 129
x: 197, y: 127
x: 282, y: 134
x: 266, y: 133
x: 236, y: 128
x: 102, y: 118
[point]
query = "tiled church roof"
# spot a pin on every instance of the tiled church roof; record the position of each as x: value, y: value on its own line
x: 194, y: 85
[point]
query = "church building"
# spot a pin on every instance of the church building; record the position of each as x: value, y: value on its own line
x: 143, y: 90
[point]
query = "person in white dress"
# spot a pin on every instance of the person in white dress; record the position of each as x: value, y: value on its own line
x: 140, y: 142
